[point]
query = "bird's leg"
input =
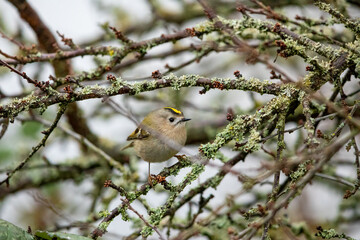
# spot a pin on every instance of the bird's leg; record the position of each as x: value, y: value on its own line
x: 157, y: 178
x: 150, y: 178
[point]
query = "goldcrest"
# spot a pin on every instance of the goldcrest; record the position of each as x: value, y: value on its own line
x: 160, y: 135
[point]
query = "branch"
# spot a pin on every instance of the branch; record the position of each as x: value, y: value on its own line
x: 60, y: 55
x: 47, y: 133
x: 143, y: 190
x: 353, y: 26
x: 122, y: 87
x: 275, y: 189
x: 44, y: 86
x: 143, y: 219
x: 45, y: 38
x: 62, y: 173
x: 83, y: 140
x: 323, y: 156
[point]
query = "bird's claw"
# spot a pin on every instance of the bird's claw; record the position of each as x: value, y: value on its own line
x: 180, y: 157
x: 157, y: 178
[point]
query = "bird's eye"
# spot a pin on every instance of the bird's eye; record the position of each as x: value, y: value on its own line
x: 171, y: 119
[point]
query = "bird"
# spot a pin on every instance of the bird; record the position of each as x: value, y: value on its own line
x: 159, y: 136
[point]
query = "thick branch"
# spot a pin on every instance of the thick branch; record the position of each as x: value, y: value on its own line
x: 122, y: 87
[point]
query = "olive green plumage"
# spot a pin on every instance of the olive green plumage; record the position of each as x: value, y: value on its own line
x: 160, y: 135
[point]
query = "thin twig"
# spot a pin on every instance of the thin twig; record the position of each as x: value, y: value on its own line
x: 120, y: 109
x: 291, y: 130
x: 324, y: 157
x: 143, y: 219
x: 309, y: 124
x: 47, y: 133
x: 42, y: 85
x: 275, y: 188
x: 357, y: 163
x: 17, y: 43
x: 335, y: 179
x: 83, y: 140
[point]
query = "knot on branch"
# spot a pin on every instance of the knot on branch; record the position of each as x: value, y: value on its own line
x: 191, y: 31
x: 43, y: 85
x: 69, y: 91
x: 309, y: 68
x: 274, y: 75
x: 241, y: 9
x: 67, y: 41
x: 107, y: 183
x: 111, y: 78
x: 282, y: 51
x: 276, y: 28
x: 237, y: 74
x: 119, y: 35
x: 218, y: 85
x: 156, y: 74
x: 230, y: 115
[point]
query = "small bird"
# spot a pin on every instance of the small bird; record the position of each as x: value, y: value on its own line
x: 159, y: 136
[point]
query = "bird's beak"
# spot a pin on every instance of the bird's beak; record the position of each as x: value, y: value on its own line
x: 185, y: 119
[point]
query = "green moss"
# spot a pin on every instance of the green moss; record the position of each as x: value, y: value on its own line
x: 301, y: 171
x: 331, y: 234
x: 241, y: 124
x: 116, y: 86
x: 196, y: 170
x: 215, y: 181
x: 104, y: 213
x: 175, y: 171
x: 253, y: 143
x: 182, y: 81
x: 146, y: 231
x: 87, y: 90
x: 131, y: 196
x: 253, y: 212
x: 205, y: 27
x: 103, y: 226
x: 248, y: 184
x: 124, y: 214
x: 219, y: 155
x: 353, y: 26
x: 152, y: 85
x: 18, y: 105
x: 158, y: 213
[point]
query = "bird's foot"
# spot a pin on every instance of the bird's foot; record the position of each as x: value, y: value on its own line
x: 150, y: 180
x: 180, y: 157
x: 157, y: 178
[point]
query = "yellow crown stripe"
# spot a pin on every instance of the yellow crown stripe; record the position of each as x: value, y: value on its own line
x: 174, y: 110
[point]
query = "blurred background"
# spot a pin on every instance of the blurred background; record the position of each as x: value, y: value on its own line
x: 61, y: 187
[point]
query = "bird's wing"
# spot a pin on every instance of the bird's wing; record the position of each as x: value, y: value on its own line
x: 138, y: 134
